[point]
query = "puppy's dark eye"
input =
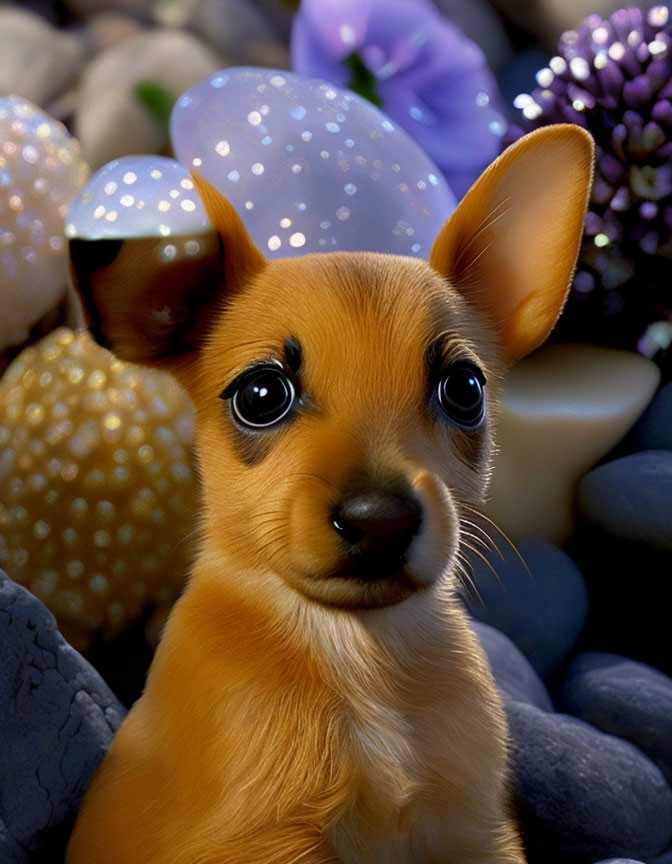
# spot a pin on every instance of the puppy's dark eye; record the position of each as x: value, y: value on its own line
x: 262, y: 397
x: 461, y: 394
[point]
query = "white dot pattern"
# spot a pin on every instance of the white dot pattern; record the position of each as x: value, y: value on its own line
x: 138, y: 196
x: 41, y: 170
x: 286, y: 150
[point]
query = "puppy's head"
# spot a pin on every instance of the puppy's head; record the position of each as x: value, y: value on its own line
x: 345, y: 401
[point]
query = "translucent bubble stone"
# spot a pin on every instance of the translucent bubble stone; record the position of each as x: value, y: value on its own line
x: 41, y: 170
x: 137, y: 196
x: 308, y: 166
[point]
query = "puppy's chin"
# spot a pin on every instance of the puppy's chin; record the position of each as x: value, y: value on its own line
x: 354, y: 588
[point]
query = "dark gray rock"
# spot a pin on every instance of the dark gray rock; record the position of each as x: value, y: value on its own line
x: 620, y: 861
x: 624, y: 698
x: 623, y: 545
x: 512, y: 672
x: 57, y: 719
x: 631, y: 498
x: 584, y: 795
x: 10, y: 851
x: 541, y: 607
x: 653, y: 430
x: 665, y: 858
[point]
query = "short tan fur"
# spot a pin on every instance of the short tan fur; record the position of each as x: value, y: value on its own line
x: 297, y: 712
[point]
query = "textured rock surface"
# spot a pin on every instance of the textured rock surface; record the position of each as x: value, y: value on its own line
x: 564, y: 408
x: 624, y: 698
x: 57, y: 719
x: 513, y: 674
x: 540, y: 602
x: 584, y: 795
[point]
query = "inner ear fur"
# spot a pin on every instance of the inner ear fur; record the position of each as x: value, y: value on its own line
x: 147, y: 309
x: 510, y: 247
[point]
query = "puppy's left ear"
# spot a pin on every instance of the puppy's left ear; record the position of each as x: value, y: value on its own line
x: 511, y: 245
x: 154, y: 299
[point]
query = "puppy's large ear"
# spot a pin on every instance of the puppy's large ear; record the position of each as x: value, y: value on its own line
x: 148, y: 299
x: 511, y: 245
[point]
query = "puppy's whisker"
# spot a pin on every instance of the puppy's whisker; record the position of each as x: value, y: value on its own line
x: 487, y: 563
x: 506, y: 537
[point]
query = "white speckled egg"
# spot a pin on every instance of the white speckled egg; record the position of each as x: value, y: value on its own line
x: 308, y: 166
x: 41, y: 170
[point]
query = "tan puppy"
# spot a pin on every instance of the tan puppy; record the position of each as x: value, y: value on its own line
x: 318, y: 696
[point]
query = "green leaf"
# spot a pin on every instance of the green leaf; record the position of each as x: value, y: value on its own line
x: 156, y: 100
x: 362, y: 80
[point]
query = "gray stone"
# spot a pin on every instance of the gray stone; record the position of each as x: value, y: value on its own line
x: 631, y: 498
x: 512, y: 672
x: 540, y: 602
x: 624, y: 698
x: 57, y: 719
x: 653, y: 430
x: 584, y: 795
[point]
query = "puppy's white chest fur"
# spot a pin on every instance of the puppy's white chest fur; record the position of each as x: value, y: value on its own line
x: 389, y: 820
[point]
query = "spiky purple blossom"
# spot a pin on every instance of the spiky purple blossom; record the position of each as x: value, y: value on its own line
x: 614, y: 77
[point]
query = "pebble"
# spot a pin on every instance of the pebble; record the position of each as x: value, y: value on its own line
x: 564, y: 408
x: 653, y: 431
x: 57, y: 719
x: 37, y: 61
x: 538, y: 598
x: 109, y: 28
x: 584, y: 795
x: 308, y: 166
x: 623, y: 545
x: 235, y: 28
x: 119, y: 124
x: 98, y: 489
x: 41, y: 171
x: 631, y: 498
x: 625, y: 698
x: 513, y: 674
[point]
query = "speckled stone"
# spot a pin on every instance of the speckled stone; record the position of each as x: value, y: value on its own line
x: 308, y: 166
x: 57, y: 719
x: 583, y: 795
x: 624, y: 698
x: 537, y: 597
x: 514, y: 676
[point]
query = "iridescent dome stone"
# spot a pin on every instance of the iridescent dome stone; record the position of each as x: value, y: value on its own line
x: 308, y: 166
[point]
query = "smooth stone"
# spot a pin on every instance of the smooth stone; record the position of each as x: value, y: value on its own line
x: 563, y: 409
x: 37, y: 61
x: 583, y: 795
x: 308, y: 166
x: 625, y: 698
x: 109, y: 28
x: 41, y: 171
x: 57, y: 719
x: 619, y: 861
x: 513, y: 674
x: 653, y: 430
x: 623, y: 545
x: 117, y: 123
x: 235, y: 28
x: 537, y: 597
x: 631, y: 498
x: 665, y: 858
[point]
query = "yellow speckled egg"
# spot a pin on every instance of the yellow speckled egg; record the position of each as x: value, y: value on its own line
x: 98, y: 490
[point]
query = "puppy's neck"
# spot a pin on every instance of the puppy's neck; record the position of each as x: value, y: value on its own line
x: 257, y: 612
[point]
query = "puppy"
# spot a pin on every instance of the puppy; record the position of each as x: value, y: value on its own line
x: 318, y: 696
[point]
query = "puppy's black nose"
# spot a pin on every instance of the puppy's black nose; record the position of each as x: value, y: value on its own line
x: 378, y: 522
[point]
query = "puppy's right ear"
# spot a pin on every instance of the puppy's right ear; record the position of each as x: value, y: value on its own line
x: 149, y: 299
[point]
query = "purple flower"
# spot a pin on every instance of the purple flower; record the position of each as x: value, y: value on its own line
x: 614, y: 77
x: 417, y: 66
